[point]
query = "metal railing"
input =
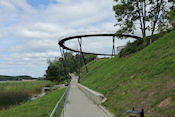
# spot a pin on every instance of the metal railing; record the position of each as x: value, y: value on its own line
x: 59, y: 108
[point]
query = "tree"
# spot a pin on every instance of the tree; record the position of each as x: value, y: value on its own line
x: 59, y: 68
x: 56, y: 71
x: 171, y: 14
x: 171, y: 17
x: 156, y: 15
x: 148, y: 14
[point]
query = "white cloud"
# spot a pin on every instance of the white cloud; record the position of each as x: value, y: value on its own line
x: 17, y: 48
x: 35, y: 32
x: 16, y: 6
x: 3, y: 34
x: 7, y: 5
x: 38, y: 55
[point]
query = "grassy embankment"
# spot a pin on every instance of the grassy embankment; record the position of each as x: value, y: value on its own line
x: 41, y: 107
x: 145, y: 79
x: 13, y: 93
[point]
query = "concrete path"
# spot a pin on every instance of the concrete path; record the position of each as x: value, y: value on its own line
x: 79, y: 105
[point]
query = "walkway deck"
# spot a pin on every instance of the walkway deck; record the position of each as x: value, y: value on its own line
x: 79, y: 105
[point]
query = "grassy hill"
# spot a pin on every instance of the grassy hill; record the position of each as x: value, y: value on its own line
x: 145, y: 79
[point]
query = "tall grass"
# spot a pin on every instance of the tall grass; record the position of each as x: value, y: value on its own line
x: 41, y: 107
x: 32, y: 87
x: 12, y: 98
x: 13, y: 93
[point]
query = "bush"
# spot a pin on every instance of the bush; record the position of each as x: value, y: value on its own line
x: 132, y: 48
x: 59, y: 68
x: 138, y: 45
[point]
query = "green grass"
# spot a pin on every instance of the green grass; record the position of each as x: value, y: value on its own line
x: 41, y: 107
x: 31, y: 87
x: 144, y: 79
x: 13, y: 93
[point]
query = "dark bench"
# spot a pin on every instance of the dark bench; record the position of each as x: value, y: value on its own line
x: 136, y: 113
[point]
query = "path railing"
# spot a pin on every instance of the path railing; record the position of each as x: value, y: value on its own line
x: 59, y: 108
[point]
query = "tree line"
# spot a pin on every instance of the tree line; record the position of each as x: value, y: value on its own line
x: 59, y: 69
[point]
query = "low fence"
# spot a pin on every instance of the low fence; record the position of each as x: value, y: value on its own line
x: 94, y: 96
x: 59, y: 108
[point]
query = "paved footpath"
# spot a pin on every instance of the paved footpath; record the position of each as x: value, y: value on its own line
x: 79, y: 105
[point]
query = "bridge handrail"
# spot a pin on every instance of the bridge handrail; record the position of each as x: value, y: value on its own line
x: 57, y: 105
x: 62, y: 40
x: 84, y: 33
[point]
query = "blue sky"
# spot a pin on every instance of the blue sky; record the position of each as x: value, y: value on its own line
x: 30, y: 31
x: 38, y: 3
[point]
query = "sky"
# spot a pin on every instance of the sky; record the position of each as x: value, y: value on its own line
x: 30, y: 31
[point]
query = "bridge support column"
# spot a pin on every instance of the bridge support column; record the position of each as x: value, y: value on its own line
x: 113, y: 47
x: 63, y: 59
x: 82, y: 54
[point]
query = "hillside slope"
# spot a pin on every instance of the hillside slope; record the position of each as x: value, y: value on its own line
x: 146, y: 79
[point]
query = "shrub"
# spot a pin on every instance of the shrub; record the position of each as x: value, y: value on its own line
x: 138, y: 45
x: 132, y: 48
